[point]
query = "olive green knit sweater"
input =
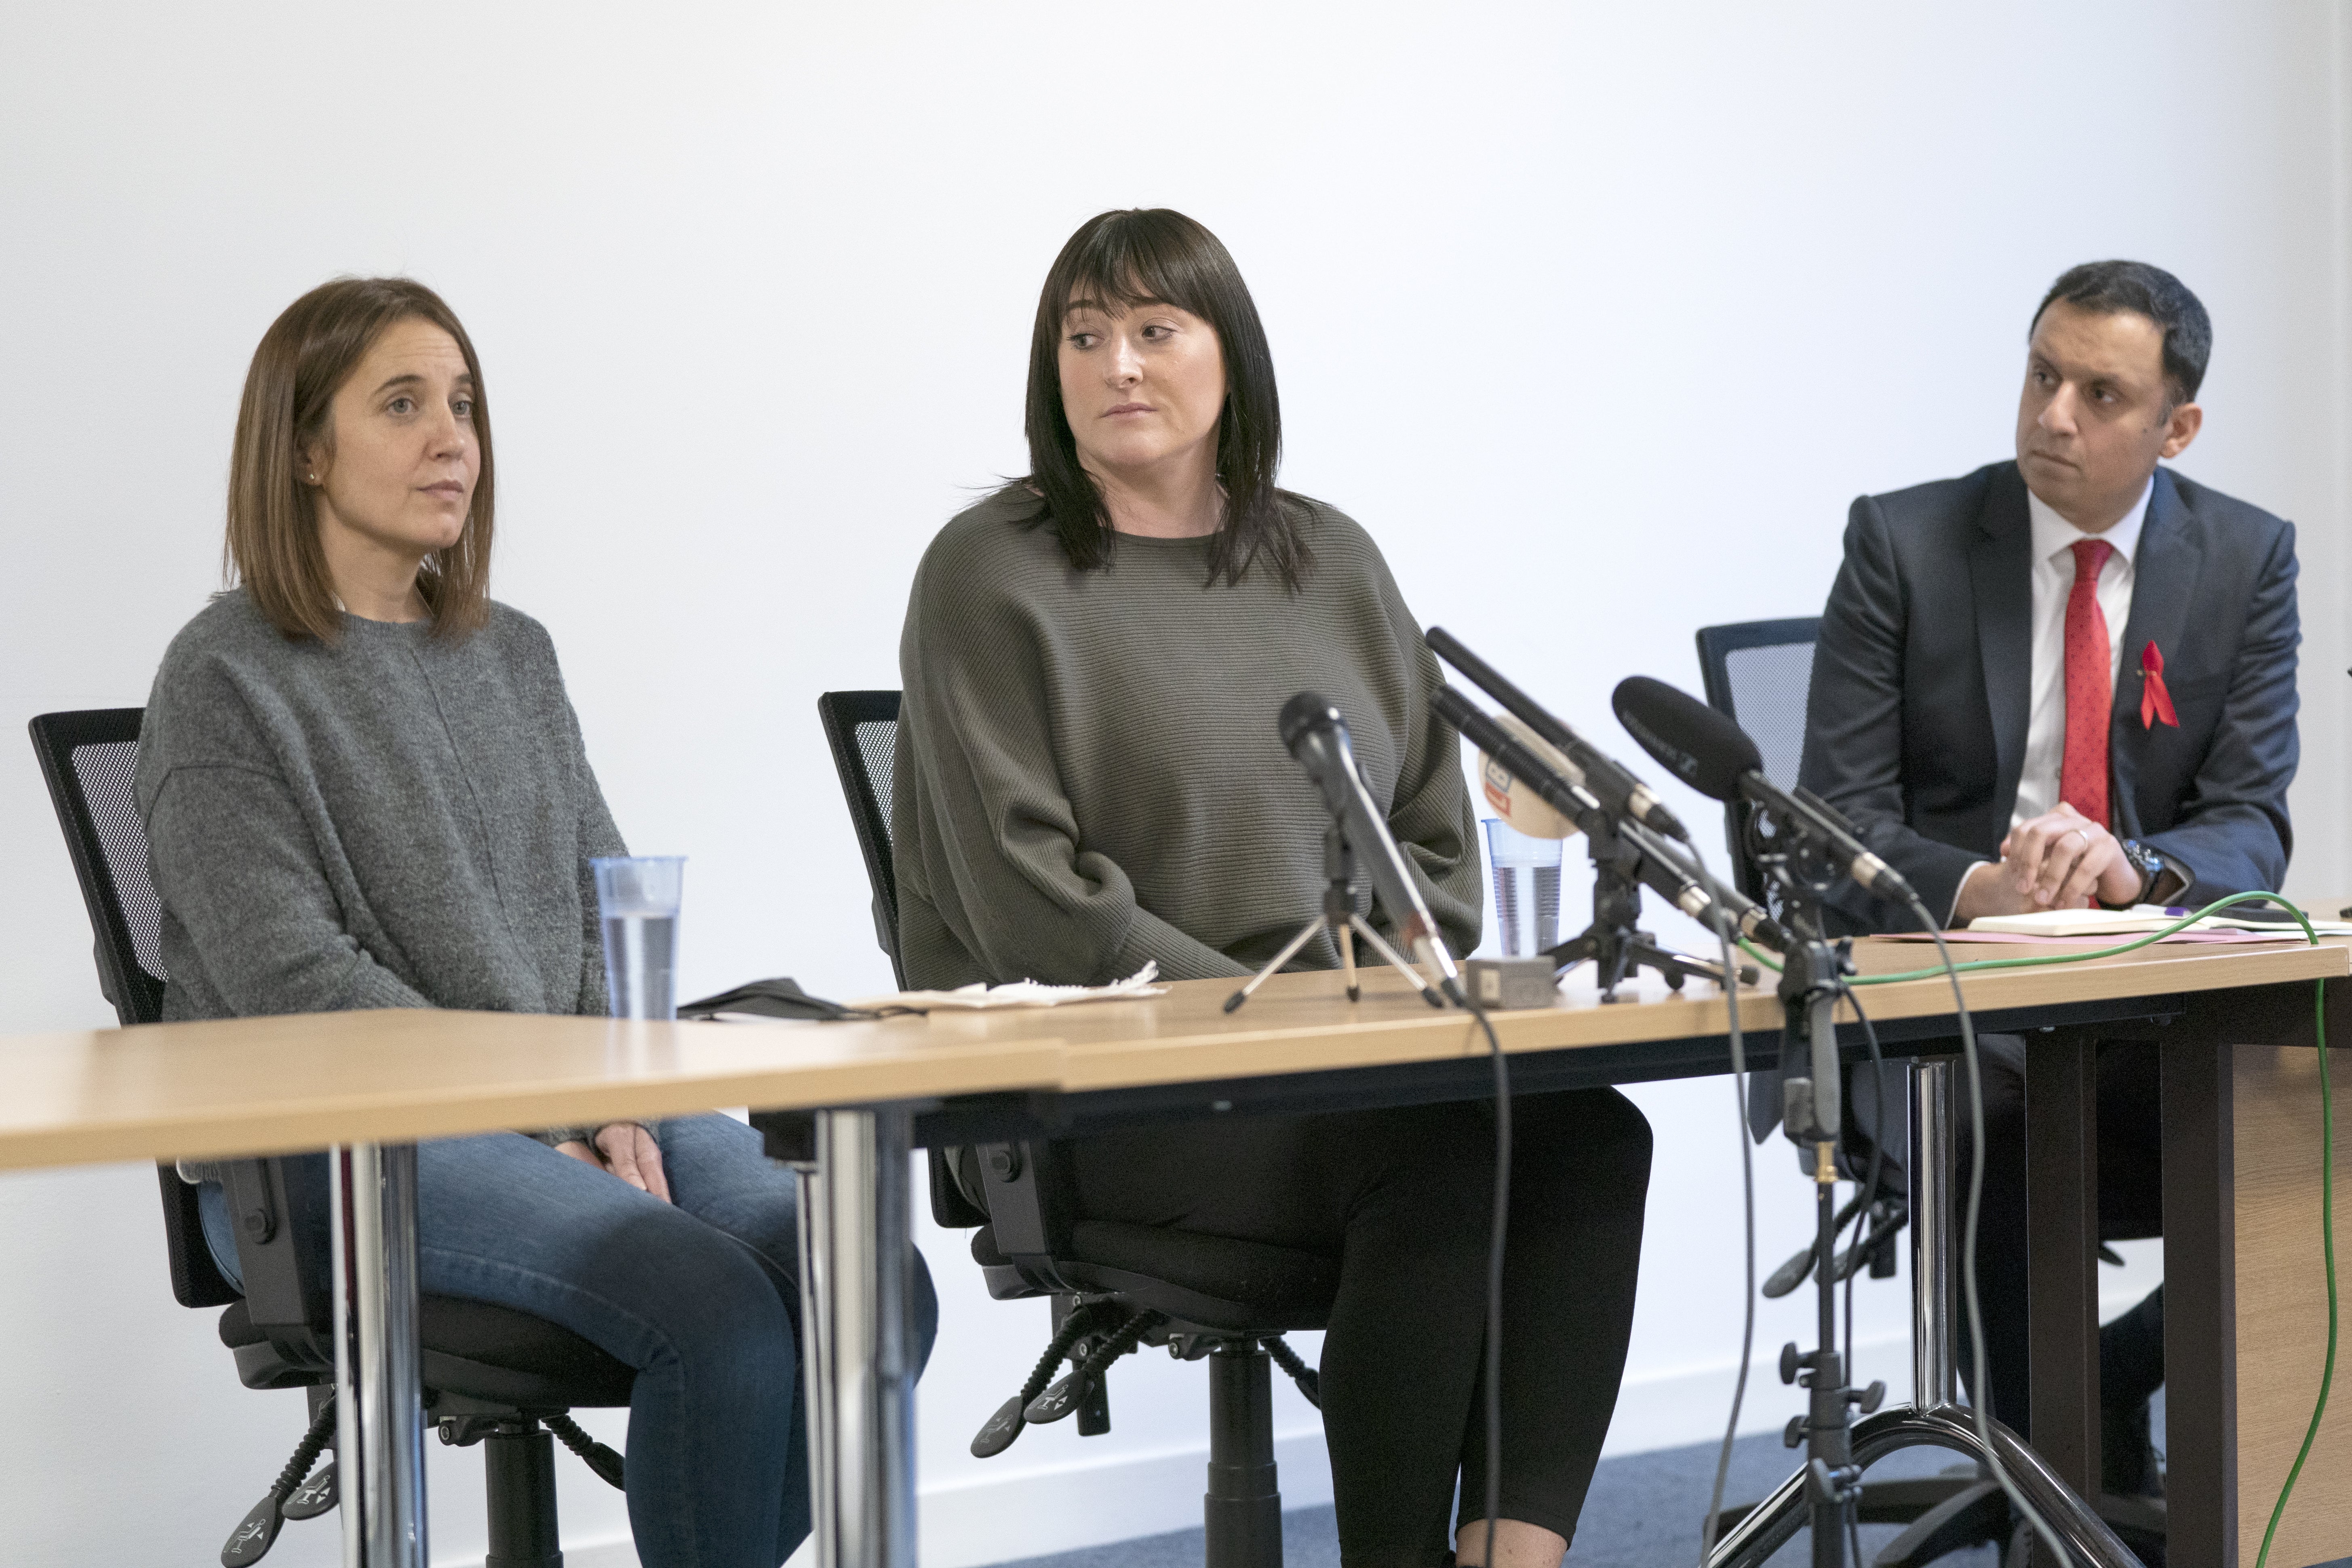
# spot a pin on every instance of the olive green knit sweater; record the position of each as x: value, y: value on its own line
x: 1089, y: 774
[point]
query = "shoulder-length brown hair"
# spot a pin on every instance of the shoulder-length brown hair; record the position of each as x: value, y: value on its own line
x: 273, y: 528
x: 1127, y: 258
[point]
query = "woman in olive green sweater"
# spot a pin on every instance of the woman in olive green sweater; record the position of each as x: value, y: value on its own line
x: 1090, y: 778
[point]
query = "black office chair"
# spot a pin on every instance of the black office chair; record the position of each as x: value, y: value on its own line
x: 1113, y: 1286
x: 493, y: 1376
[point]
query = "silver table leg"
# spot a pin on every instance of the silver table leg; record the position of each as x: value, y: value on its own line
x: 379, y: 1402
x: 855, y: 1253
x: 1935, y: 1236
x: 1937, y: 1418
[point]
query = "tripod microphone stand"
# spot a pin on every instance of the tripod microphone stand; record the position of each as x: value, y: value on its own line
x: 1615, y: 941
x: 1339, y: 918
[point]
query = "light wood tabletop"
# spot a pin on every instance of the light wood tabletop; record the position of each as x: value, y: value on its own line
x: 266, y: 1085
x: 1299, y: 1023
x: 269, y: 1086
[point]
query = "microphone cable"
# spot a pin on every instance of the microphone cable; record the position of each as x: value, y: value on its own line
x: 1862, y: 1229
x: 1501, y: 1224
x: 1862, y: 1221
x: 1978, y: 1405
x: 1722, y: 923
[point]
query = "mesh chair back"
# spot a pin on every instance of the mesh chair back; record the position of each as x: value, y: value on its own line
x: 862, y: 728
x: 86, y: 758
x: 1759, y: 674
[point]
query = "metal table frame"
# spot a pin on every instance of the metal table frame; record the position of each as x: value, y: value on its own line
x: 855, y: 1248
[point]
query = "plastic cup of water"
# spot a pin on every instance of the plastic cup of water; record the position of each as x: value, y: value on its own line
x: 637, y: 896
x: 1526, y: 889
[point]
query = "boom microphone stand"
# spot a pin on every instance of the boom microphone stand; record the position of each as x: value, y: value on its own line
x: 1812, y: 979
x: 1339, y: 918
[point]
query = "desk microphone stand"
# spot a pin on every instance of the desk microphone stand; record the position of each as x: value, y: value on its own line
x: 1615, y: 941
x: 1339, y: 918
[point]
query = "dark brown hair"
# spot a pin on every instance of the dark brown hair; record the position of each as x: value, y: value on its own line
x: 289, y: 391
x: 1123, y: 260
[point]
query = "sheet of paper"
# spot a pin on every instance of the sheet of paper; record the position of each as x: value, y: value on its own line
x: 2137, y: 919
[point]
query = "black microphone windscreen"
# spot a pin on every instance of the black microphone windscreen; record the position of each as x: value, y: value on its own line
x: 1703, y: 748
x: 1304, y: 713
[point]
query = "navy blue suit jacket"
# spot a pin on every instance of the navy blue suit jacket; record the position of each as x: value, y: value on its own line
x: 1916, y: 723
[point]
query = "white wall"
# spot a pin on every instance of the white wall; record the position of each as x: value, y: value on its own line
x: 1596, y: 316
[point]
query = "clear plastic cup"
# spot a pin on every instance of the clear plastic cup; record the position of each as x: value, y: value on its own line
x: 1526, y: 889
x: 638, y: 896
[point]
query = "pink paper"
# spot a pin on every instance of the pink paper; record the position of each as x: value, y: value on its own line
x: 2114, y: 939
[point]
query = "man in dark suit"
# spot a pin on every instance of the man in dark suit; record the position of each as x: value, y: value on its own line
x: 1976, y: 714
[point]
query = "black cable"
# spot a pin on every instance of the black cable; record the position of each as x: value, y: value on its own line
x: 1974, y: 1306
x: 1747, y: 1195
x: 1862, y: 1214
x: 1494, y: 1267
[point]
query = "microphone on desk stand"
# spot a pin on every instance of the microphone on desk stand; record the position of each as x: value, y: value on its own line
x: 1316, y: 733
x: 1625, y: 856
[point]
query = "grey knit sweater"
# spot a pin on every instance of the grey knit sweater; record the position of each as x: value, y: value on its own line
x: 1089, y: 774
x: 394, y: 821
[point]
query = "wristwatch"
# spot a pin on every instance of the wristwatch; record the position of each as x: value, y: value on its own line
x: 2153, y: 870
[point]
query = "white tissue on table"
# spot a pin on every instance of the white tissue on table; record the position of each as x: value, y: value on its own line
x: 1024, y: 994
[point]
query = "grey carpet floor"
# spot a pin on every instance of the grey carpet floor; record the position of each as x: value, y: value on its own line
x: 1642, y: 1513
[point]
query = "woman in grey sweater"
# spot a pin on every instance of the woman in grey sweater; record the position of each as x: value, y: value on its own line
x: 365, y: 787
x: 1090, y: 778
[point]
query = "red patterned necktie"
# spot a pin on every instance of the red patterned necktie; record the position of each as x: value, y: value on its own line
x: 2090, y: 687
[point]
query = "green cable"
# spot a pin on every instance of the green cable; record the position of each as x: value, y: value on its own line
x: 2328, y: 1245
x: 1768, y: 962
x: 2326, y: 1128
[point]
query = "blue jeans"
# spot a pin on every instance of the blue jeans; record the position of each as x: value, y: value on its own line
x: 702, y: 1297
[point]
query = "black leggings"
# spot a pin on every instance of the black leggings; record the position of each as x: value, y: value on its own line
x: 1404, y: 1200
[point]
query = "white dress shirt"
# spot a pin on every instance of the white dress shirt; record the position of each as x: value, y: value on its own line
x: 2052, y: 548
x: 2054, y: 582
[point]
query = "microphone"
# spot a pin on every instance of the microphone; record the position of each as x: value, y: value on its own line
x: 1660, y: 870
x: 1596, y: 770
x: 1718, y: 759
x: 1314, y: 731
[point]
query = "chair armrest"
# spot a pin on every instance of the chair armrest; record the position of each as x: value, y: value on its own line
x: 280, y: 1210
x: 1031, y: 1202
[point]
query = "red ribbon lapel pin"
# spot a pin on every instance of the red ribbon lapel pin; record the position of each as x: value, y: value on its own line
x: 2155, y: 702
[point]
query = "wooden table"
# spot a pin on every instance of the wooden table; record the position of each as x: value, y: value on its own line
x: 379, y: 1080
